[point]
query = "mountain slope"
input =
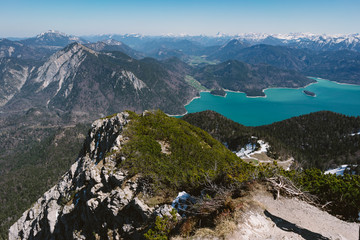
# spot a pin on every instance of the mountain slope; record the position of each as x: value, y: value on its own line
x: 341, y: 65
x: 52, y: 39
x: 84, y: 82
x: 322, y: 139
x: 279, y: 56
x: 227, y: 51
x: 16, y: 49
x: 251, y: 79
x: 13, y: 75
x: 113, y: 45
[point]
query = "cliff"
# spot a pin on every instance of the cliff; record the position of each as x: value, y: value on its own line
x: 94, y: 198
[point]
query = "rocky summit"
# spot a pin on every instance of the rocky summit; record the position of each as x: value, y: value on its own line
x: 128, y: 176
x: 94, y: 198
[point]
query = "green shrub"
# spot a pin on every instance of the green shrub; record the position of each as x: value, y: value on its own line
x: 162, y: 228
x: 193, y: 155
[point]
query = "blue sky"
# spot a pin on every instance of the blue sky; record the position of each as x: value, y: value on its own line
x: 19, y: 18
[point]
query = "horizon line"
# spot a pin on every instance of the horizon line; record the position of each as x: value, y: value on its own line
x: 219, y: 34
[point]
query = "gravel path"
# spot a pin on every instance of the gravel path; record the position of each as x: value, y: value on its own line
x: 266, y: 218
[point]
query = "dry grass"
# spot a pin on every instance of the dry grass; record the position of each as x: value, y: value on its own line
x: 221, y: 231
x: 165, y: 147
x: 204, y: 233
x: 262, y: 157
x: 225, y: 222
x: 156, y: 200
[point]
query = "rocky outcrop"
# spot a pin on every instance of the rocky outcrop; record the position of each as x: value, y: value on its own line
x: 61, y: 66
x: 94, y: 199
x: 13, y: 75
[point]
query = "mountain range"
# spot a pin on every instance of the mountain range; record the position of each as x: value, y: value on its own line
x: 340, y: 65
x: 52, y: 82
x: 119, y: 77
x: 78, y: 79
x: 298, y: 40
x: 334, y: 57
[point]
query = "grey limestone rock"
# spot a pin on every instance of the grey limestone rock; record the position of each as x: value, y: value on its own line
x: 93, y: 198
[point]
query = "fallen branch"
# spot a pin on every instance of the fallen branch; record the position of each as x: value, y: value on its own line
x: 284, y: 185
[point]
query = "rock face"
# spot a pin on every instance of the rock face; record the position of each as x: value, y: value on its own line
x: 85, y: 83
x: 13, y: 75
x: 94, y: 199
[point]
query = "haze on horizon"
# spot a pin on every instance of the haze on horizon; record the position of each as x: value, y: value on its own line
x: 22, y: 18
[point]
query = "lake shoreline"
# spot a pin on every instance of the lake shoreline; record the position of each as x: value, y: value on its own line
x: 281, y: 105
x: 340, y: 83
x: 188, y: 102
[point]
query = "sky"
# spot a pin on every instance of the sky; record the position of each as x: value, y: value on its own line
x: 25, y: 18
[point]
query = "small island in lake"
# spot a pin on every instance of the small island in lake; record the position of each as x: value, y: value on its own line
x: 312, y: 94
x: 218, y: 92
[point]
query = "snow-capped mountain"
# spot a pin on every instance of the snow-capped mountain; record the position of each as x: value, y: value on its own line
x: 53, y: 38
x: 305, y: 40
x: 312, y: 41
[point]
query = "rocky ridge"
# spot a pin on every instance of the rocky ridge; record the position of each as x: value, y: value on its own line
x: 101, y: 198
x: 94, y: 198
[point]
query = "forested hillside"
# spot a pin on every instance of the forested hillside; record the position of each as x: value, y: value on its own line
x: 31, y: 161
x: 322, y: 139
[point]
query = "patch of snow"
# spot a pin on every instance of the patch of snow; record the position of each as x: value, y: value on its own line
x: 338, y: 171
x: 112, y: 42
x: 253, y: 36
x: 182, y: 201
x: 50, y: 32
x: 250, y: 149
x: 353, y: 134
x: 264, y: 146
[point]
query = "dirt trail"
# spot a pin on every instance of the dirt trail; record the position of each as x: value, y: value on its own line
x: 266, y: 218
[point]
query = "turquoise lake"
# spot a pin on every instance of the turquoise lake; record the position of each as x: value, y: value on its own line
x: 281, y: 103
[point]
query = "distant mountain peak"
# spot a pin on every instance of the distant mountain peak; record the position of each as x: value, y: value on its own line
x: 112, y: 42
x: 51, y: 32
x: 75, y: 46
x: 53, y: 38
x: 234, y: 43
